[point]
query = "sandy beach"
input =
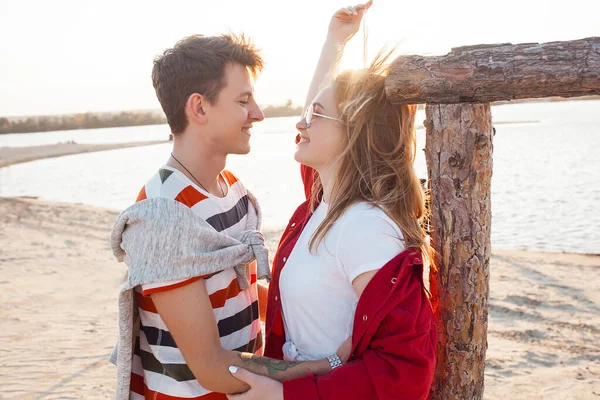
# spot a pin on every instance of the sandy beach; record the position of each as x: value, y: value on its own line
x: 16, y: 155
x: 59, y: 285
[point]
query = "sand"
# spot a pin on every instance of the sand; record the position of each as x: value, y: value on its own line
x: 59, y: 285
x: 16, y: 155
x: 544, y: 326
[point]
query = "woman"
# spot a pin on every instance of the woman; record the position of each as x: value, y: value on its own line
x: 350, y: 261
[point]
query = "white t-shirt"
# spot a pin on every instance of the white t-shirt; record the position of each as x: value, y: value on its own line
x: 317, y: 296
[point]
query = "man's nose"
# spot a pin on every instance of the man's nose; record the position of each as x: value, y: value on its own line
x: 256, y: 114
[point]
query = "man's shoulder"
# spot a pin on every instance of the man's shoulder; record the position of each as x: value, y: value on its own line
x: 231, y: 178
x: 235, y: 184
x: 168, y: 184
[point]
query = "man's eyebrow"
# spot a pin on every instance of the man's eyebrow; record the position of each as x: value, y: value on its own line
x: 246, y: 93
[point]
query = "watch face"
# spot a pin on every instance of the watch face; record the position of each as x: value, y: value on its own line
x: 334, y: 361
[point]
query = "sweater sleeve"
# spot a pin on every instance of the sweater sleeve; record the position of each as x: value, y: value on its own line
x: 399, y: 364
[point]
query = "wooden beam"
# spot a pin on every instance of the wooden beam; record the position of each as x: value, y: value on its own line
x: 486, y: 73
x: 459, y: 158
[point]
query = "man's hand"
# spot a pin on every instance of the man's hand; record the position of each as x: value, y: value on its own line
x: 261, y: 388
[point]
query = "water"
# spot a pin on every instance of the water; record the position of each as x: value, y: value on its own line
x: 545, y: 184
x: 126, y: 134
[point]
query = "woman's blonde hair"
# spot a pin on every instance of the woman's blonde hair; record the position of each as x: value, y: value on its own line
x: 377, y: 164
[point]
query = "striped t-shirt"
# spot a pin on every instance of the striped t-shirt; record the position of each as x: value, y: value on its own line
x: 159, y: 370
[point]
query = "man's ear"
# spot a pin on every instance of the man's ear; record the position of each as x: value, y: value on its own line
x: 194, y: 108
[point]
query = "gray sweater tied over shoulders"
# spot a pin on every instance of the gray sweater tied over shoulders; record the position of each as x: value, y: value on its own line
x: 163, y: 240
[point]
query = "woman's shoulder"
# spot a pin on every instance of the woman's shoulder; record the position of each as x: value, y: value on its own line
x: 363, y: 210
x: 367, y: 217
x: 367, y: 238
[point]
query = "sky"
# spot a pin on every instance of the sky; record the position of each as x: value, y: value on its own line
x: 67, y: 56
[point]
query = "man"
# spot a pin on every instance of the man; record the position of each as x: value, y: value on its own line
x: 191, y: 330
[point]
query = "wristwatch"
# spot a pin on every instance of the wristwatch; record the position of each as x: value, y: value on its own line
x: 334, y: 361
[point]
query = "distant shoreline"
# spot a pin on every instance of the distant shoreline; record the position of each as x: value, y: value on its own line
x: 17, y: 155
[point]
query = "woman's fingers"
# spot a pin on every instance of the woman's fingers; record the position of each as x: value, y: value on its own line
x: 349, y: 11
x: 367, y: 5
x: 244, y: 376
x: 364, y: 7
x: 240, y: 396
x: 261, y: 387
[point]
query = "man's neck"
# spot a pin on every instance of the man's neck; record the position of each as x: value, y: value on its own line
x: 200, y: 164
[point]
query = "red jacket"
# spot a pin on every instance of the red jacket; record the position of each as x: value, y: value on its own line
x: 393, y: 339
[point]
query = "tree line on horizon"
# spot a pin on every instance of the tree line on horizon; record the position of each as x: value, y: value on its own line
x: 92, y: 120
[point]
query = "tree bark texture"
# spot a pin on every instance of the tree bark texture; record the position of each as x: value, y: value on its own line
x: 486, y: 73
x: 459, y: 159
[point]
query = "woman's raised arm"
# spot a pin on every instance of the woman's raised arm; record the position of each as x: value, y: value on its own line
x: 344, y: 24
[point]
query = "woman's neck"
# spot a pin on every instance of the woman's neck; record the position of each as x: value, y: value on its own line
x: 327, y: 177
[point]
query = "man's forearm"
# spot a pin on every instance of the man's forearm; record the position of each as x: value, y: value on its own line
x: 281, y: 370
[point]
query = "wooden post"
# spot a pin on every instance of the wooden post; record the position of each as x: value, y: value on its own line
x: 459, y: 159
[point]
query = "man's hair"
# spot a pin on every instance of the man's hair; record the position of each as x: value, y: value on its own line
x: 196, y: 64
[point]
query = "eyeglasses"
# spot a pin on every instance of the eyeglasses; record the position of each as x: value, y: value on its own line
x: 310, y: 111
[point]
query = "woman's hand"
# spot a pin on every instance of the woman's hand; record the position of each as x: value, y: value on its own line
x: 346, y: 21
x: 344, y: 351
x: 261, y: 387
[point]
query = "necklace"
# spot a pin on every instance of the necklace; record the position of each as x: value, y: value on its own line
x: 197, y: 181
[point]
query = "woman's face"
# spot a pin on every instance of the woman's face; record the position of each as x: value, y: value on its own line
x: 325, y: 139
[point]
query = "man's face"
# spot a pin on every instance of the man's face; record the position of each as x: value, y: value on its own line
x: 230, y: 119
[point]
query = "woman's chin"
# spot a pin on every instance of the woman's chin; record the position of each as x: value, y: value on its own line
x: 297, y: 157
x: 300, y: 157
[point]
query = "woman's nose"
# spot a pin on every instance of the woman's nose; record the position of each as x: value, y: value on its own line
x: 301, y: 125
